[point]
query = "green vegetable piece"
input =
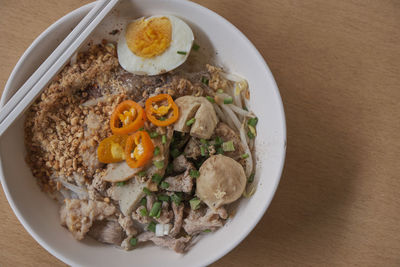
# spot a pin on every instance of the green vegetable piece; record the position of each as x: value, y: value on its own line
x: 228, y: 100
x: 203, y: 151
x: 151, y: 227
x: 146, y: 191
x: 181, y: 52
x: 143, y: 212
x: 220, y: 91
x: 220, y: 150
x: 133, y: 241
x: 164, y: 185
x: 142, y: 173
x: 155, y: 209
x: 251, y: 178
x: 244, y: 156
x: 159, y: 164
x: 207, y: 231
x: 164, y: 139
x: 194, y: 203
x: 164, y: 198
x: 252, y: 121
x: 153, y: 134
x: 211, y: 99
x: 204, y: 80
x: 176, y: 199
x: 156, y: 151
x: 228, y: 146
x: 195, y: 47
x: 218, y: 141
x: 143, y: 201
x: 194, y: 173
x: 175, y: 153
x: 190, y: 122
x: 120, y: 183
x: 250, y: 135
x: 156, y: 178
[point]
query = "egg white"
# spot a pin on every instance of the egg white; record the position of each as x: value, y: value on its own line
x: 181, y: 40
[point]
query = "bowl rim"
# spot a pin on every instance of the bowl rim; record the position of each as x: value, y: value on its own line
x: 85, y: 9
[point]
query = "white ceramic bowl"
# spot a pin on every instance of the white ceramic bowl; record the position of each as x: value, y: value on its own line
x: 39, y: 214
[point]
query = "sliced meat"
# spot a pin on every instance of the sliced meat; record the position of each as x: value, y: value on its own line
x: 178, y: 219
x: 227, y: 134
x: 196, y: 222
x: 178, y: 245
x: 217, y: 81
x: 192, y: 149
x: 180, y: 183
x: 181, y: 164
x: 107, y: 231
x: 119, y: 172
x: 127, y: 195
x: 79, y: 215
x: 166, y: 214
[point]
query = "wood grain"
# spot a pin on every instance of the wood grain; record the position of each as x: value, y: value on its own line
x: 337, y: 64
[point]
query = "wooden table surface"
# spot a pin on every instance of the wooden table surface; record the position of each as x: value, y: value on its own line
x: 337, y: 64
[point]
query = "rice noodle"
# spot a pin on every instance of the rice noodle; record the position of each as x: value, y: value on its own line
x: 231, y: 115
x: 241, y: 111
x: 248, y: 160
x: 231, y: 77
x: 223, y: 117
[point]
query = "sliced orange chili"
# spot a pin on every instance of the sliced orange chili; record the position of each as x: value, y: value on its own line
x: 112, y: 149
x: 158, y: 113
x: 139, y: 149
x: 127, y: 118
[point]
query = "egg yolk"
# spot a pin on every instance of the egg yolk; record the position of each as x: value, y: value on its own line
x: 149, y: 38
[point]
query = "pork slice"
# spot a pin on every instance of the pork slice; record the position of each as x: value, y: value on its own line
x: 107, y: 231
x: 178, y: 219
x: 180, y: 183
x: 196, y: 222
x: 181, y: 164
x: 78, y: 215
x: 127, y: 225
x: 119, y: 172
x: 178, y: 245
x: 192, y: 149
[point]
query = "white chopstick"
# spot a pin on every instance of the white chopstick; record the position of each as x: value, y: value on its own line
x: 22, y: 99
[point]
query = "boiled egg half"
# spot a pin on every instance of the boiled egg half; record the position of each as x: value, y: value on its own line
x: 154, y: 45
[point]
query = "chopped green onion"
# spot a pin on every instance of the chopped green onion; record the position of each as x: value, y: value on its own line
x: 252, y: 121
x: 162, y: 118
x: 204, y: 80
x: 194, y: 203
x: 153, y: 134
x: 158, y: 214
x: 251, y: 178
x: 228, y: 100
x: 211, y: 99
x: 206, y: 230
x: 141, y: 174
x: 195, y: 47
x: 203, y: 141
x: 244, y: 156
x: 146, y: 191
x: 181, y: 52
x: 143, y: 212
x: 252, y: 130
x: 176, y: 199
x: 152, y: 227
x: 250, y: 135
x: 194, y: 173
x: 175, y: 152
x: 120, y: 183
x: 143, y: 201
x: 220, y: 91
x: 245, y: 108
x: 164, y: 198
x: 190, y: 122
x: 156, y: 151
x: 164, y: 139
x: 141, y: 129
x: 164, y: 185
x: 218, y: 140
x: 155, y: 209
x: 159, y: 164
x: 156, y: 178
x: 220, y: 150
x: 228, y: 146
x: 133, y: 241
x: 202, y: 151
